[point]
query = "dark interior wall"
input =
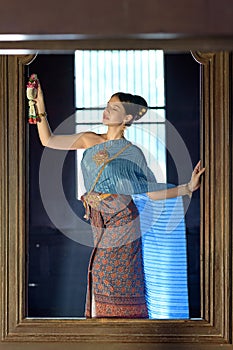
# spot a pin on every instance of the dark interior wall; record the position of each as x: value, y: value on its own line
x: 57, y: 80
x: 124, y: 17
x: 182, y: 90
x: 55, y: 260
x: 57, y: 285
x: 182, y: 107
x: 56, y: 75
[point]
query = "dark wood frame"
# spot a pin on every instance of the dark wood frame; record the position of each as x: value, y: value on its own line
x: 215, y: 327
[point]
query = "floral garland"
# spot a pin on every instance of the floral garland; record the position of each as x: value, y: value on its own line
x: 32, y: 87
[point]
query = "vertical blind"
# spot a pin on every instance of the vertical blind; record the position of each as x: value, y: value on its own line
x: 99, y: 74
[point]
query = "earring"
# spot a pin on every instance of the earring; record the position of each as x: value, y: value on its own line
x: 123, y: 130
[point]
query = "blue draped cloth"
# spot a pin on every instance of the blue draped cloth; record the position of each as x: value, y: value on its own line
x: 164, y: 257
x: 126, y: 174
x: 162, y: 225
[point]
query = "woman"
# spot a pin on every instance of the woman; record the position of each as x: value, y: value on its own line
x: 114, y: 170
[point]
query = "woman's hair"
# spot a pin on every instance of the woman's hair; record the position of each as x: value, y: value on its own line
x: 133, y: 104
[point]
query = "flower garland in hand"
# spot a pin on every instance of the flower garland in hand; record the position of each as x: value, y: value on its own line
x: 32, y: 87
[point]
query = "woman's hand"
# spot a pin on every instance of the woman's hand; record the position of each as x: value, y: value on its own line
x: 40, y: 104
x: 195, y: 180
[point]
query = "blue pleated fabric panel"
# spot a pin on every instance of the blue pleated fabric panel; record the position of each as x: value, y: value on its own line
x: 164, y: 256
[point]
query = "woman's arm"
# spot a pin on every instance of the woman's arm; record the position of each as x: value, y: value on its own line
x: 48, y: 139
x: 181, y: 190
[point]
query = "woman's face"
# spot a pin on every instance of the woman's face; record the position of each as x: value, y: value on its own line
x: 114, y: 114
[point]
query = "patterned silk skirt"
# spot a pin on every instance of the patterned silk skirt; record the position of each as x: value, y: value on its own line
x: 115, y: 276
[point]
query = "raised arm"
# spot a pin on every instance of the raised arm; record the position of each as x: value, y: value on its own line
x: 48, y: 139
x: 181, y: 190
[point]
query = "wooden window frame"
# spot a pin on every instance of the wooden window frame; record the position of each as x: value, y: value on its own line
x: 215, y: 327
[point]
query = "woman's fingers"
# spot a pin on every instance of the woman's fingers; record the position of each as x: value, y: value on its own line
x: 40, y: 96
x: 198, y: 168
x: 196, y: 176
x: 201, y: 171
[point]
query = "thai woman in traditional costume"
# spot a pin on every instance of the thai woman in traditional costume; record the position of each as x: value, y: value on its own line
x: 113, y: 170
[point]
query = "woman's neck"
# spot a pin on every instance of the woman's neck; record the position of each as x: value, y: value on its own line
x: 114, y: 133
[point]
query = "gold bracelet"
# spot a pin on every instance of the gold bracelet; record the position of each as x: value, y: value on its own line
x: 190, y: 192
x: 42, y: 115
x: 187, y: 190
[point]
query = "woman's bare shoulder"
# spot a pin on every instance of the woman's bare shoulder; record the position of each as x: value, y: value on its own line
x: 90, y: 139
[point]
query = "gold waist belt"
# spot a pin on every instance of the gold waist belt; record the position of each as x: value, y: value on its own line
x: 93, y: 200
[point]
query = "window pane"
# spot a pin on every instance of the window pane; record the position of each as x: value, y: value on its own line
x: 101, y: 73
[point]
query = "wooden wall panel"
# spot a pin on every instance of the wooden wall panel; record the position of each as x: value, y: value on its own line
x: 215, y: 328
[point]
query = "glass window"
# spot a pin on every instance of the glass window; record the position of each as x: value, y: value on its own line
x: 99, y: 74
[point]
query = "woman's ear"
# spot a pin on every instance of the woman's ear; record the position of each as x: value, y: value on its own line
x: 128, y: 119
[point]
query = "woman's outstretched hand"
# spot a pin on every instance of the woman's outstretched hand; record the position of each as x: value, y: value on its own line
x: 195, y: 180
x: 40, y: 100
